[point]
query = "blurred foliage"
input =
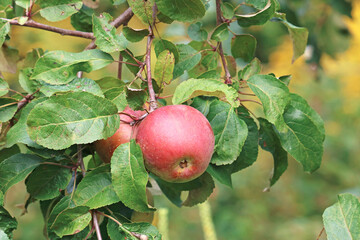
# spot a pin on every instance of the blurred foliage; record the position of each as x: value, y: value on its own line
x: 328, y: 76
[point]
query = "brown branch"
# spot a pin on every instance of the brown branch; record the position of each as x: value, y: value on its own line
x: 120, y: 62
x: 219, y: 21
x: 153, y: 104
x: 33, y: 24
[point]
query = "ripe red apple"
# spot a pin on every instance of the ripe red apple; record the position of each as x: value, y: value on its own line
x: 177, y: 142
x: 106, y: 147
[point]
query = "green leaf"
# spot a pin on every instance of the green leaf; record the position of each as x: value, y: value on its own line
x: 1, y: 200
x: 270, y: 142
x: 231, y: 64
x: 227, y: 10
x: 29, y: 85
x: 109, y: 82
x: 72, y: 118
x: 247, y: 156
x: 60, y: 12
x: 4, y: 87
x: 8, y: 152
x: 106, y: 38
x: 64, y: 203
x: 162, y: 45
x: 258, y: 18
x: 31, y: 58
x: 201, y: 194
x: 4, y: 30
x: 253, y: 68
x: 182, y: 10
x: 16, y: 168
x: 136, y: 99
x: 285, y: 79
x: 118, y: 96
x: 274, y: 96
x: 7, y: 223
x: 188, y: 58
x: 76, y: 85
x: 303, y: 136
x: 82, y: 20
x: 220, y: 33
x: 300, y: 103
x: 199, y: 190
x: 143, y: 9
x: 117, y: 232
x: 197, y: 33
x: 96, y: 189
x: 59, y: 67
x: 129, y: 176
x: 229, y: 130
x: 134, y: 35
x: 243, y: 46
x: 46, y: 181
x: 18, y: 133
x: 8, y: 107
x: 342, y: 220
x: 299, y: 37
x: 202, y: 104
x: 164, y: 68
x: 259, y: 4
x: 204, y: 87
x: 71, y: 221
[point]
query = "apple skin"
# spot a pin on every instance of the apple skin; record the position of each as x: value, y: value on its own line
x: 106, y: 147
x: 177, y: 143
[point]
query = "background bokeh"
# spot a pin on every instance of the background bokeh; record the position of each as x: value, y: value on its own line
x: 328, y: 76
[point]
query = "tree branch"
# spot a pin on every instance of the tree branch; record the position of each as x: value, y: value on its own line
x: 219, y: 21
x: 153, y: 104
x: 33, y: 24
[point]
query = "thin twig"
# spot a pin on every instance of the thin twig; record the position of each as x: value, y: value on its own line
x: 321, y: 232
x: 219, y: 20
x: 14, y: 91
x: 128, y: 63
x: 152, y: 96
x: 33, y: 24
x: 96, y: 225
x: 120, y: 62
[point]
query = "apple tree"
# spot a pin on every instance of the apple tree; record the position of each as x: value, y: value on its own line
x: 48, y: 129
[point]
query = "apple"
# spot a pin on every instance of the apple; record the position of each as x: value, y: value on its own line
x: 177, y: 142
x: 106, y: 147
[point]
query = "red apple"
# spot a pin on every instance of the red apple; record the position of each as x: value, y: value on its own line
x: 177, y: 143
x: 106, y: 147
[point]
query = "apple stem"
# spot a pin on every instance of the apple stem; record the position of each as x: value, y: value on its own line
x: 153, y: 104
x: 219, y: 20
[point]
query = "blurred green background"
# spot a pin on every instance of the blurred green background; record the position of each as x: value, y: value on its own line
x: 328, y: 76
